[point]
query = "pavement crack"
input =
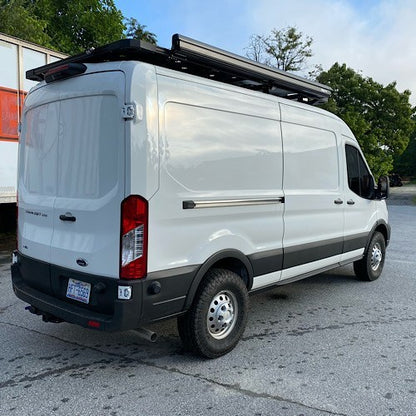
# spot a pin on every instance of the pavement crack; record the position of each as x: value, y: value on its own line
x: 236, y: 388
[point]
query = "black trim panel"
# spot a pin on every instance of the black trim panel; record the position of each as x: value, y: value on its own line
x: 36, y: 274
x: 174, y: 286
x: 266, y: 261
x: 355, y: 242
x: 307, y: 253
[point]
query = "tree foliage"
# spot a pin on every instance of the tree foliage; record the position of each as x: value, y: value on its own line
x: 68, y: 26
x: 17, y: 18
x: 379, y: 116
x: 405, y: 164
x: 286, y: 49
x: 137, y: 31
x: 75, y: 26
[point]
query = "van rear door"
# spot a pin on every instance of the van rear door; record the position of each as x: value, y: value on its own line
x: 71, y: 180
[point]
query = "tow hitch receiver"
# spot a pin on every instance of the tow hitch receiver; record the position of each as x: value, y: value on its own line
x: 46, y: 317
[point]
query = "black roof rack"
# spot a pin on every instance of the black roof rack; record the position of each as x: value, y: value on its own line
x: 197, y: 58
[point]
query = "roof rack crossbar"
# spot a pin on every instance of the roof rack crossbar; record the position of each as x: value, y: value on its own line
x: 197, y: 58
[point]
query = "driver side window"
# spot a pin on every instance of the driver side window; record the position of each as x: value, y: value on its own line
x: 359, y: 177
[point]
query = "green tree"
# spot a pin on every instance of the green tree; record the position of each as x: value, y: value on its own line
x: 17, y: 18
x: 405, y: 164
x: 75, y: 26
x: 379, y: 116
x: 286, y: 49
x: 68, y: 26
x: 137, y: 31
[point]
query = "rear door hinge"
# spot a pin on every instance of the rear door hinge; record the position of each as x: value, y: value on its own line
x: 132, y: 111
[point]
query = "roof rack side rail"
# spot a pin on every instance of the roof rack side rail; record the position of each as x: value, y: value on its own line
x: 187, y: 47
x: 198, y: 58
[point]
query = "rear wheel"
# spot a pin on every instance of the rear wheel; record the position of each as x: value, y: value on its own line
x: 217, y: 319
x: 369, y: 268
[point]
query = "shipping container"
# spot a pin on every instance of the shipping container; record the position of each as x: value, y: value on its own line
x: 16, y: 57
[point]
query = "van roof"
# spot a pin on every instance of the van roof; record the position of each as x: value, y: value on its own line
x: 197, y: 58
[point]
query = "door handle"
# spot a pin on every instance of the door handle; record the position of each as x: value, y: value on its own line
x: 338, y: 201
x: 67, y: 217
x: 350, y: 202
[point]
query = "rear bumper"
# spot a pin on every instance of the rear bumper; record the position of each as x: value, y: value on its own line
x: 44, y: 287
x: 123, y: 315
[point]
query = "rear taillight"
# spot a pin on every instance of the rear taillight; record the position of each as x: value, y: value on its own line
x: 133, y: 244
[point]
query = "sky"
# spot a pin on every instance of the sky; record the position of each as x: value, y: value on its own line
x: 374, y: 37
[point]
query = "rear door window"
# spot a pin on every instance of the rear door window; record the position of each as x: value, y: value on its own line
x: 39, y: 160
x: 71, y: 147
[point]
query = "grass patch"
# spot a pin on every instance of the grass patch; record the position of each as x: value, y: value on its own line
x: 414, y: 200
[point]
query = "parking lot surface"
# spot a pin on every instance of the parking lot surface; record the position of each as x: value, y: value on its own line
x: 328, y: 345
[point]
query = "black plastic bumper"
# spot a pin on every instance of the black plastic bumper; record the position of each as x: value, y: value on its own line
x: 44, y: 287
x: 125, y: 314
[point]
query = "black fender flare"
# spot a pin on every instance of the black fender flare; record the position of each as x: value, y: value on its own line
x: 379, y: 223
x: 228, y: 254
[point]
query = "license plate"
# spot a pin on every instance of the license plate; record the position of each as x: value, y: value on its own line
x: 78, y: 290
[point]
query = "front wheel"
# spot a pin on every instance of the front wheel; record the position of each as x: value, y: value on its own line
x: 369, y: 268
x: 217, y: 319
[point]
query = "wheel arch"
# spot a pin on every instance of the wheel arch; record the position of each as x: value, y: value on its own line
x: 232, y: 260
x: 382, y: 227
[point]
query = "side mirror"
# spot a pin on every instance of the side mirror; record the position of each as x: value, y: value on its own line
x: 383, y: 190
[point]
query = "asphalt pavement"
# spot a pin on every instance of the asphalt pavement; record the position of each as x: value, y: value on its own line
x: 403, y: 195
x: 327, y: 345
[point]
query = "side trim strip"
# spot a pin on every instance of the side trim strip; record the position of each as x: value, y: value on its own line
x: 265, y: 262
x: 282, y: 259
x: 307, y: 253
x: 220, y: 203
x: 354, y: 242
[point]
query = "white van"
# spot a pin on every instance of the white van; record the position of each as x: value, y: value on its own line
x: 158, y: 183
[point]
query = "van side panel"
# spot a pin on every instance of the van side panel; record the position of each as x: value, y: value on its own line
x: 312, y: 184
x: 216, y: 144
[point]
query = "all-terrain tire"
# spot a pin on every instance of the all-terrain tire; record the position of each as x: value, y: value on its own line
x: 218, y: 316
x: 369, y: 268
